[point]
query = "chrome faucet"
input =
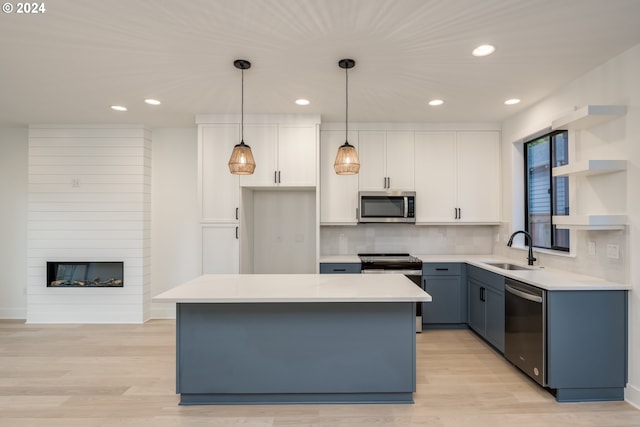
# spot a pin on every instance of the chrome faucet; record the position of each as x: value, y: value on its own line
x: 530, y: 257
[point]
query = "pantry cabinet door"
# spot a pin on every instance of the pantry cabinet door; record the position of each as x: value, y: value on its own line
x: 218, y: 189
x: 220, y: 249
x: 338, y: 193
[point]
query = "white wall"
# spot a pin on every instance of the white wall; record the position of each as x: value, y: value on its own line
x: 174, y: 208
x: 13, y: 222
x: 615, y: 82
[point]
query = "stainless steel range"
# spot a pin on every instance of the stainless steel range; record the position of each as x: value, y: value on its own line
x: 398, y: 263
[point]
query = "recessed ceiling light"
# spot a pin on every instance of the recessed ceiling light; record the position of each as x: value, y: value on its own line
x: 483, y: 50
x: 151, y: 101
x: 512, y: 101
x: 436, y: 102
x: 119, y: 107
x: 303, y: 101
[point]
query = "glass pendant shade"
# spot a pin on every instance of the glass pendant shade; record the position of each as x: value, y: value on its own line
x: 347, y: 162
x: 241, y: 161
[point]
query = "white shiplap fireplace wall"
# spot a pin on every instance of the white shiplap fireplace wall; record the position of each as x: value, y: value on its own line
x: 89, y: 200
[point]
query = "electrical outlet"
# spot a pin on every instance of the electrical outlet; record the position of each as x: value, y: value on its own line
x: 613, y: 251
x: 592, y: 248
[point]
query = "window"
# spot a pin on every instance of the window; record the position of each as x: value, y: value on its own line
x: 545, y: 195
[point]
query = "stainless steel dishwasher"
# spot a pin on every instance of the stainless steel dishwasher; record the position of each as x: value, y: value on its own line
x: 525, y: 328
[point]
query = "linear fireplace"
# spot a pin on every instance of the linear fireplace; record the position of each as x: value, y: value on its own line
x: 92, y: 274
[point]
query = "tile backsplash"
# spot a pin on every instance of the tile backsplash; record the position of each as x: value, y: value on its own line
x: 589, y: 255
x: 415, y: 239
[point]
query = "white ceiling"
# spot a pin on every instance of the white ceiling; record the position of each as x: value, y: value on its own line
x: 70, y: 63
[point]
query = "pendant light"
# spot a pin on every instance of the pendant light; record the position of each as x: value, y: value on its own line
x: 347, y: 162
x: 241, y: 161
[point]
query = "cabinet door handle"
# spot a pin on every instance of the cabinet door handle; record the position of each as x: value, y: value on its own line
x: 459, y: 213
x: 275, y: 177
x: 482, y: 294
x: 339, y: 269
x: 279, y: 177
x: 455, y: 213
x: 237, y: 213
x: 442, y: 269
x: 237, y: 232
x: 388, y: 182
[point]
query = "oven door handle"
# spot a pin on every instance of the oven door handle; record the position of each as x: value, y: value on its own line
x: 382, y: 271
x: 522, y: 294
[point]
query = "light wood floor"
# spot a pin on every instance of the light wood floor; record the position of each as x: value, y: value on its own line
x: 123, y: 375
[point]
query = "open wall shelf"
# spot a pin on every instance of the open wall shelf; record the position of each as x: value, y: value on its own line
x: 590, y: 222
x: 590, y: 167
x: 588, y: 116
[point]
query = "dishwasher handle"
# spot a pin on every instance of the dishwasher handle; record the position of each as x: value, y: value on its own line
x: 523, y: 294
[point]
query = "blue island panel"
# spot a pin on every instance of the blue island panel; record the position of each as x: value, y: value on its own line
x: 296, y: 353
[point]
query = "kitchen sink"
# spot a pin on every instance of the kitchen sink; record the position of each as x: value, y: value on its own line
x: 508, y: 266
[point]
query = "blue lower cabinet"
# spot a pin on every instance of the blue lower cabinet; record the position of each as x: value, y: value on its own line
x: 486, y: 305
x: 587, y: 344
x: 477, y: 309
x: 443, y: 281
x: 340, y: 268
x: 494, y: 327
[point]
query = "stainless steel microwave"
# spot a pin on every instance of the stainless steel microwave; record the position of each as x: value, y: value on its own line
x: 387, y: 206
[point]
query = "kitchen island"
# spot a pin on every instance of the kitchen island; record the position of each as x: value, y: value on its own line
x: 260, y: 339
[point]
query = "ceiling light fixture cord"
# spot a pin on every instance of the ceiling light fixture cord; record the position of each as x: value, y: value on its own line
x: 242, y: 106
x: 346, y: 104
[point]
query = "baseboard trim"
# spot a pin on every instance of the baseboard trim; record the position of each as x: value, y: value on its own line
x: 163, y: 312
x: 632, y: 395
x: 13, y: 313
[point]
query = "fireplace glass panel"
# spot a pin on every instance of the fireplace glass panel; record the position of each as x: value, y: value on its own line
x: 85, y: 274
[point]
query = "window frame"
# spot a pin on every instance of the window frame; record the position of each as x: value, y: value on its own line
x: 551, y: 134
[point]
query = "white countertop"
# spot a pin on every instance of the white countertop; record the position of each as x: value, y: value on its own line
x: 545, y: 278
x: 265, y: 288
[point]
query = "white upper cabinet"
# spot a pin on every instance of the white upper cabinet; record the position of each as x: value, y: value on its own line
x: 372, y: 175
x: 479, y: 186
x: 338, y: 193
x: 386, y: 160
x: 285, y: 155
x: 263, y: 140
x: 457, y: 177
x: 399, y: 157
x: 297, y: 155
x: 436, y: 176
x: 218, y: 189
